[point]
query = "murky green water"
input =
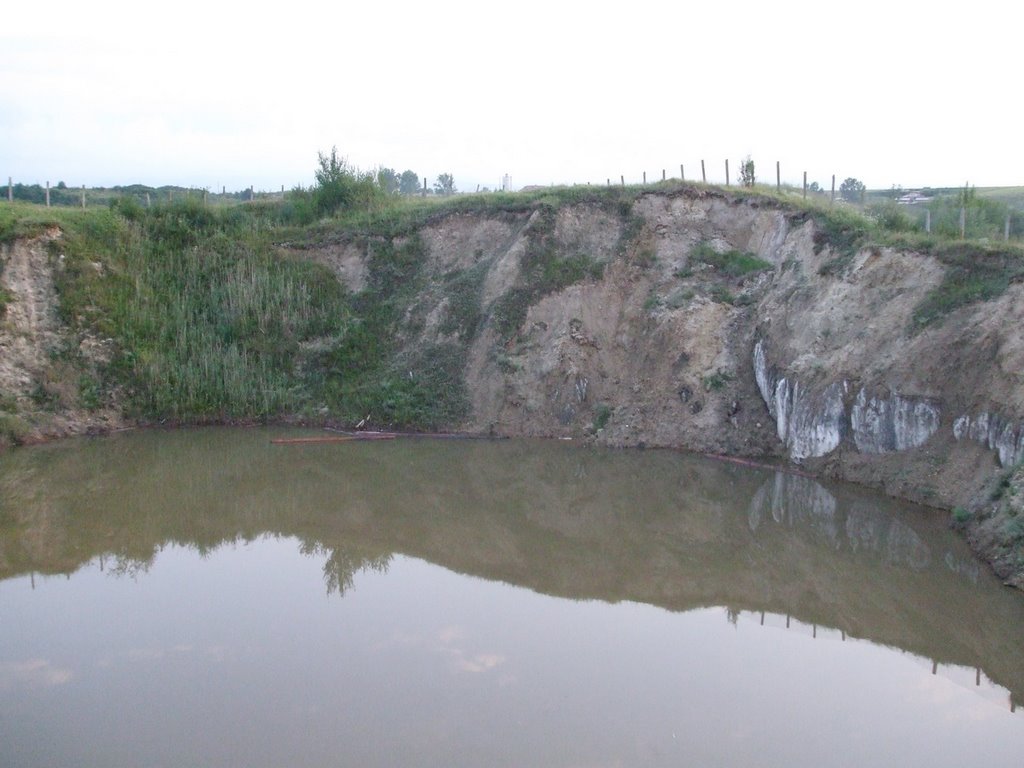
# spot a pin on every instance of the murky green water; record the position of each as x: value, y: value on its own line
x: 207, y: 598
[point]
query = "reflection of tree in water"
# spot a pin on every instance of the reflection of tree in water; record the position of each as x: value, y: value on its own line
x: 344, y: 562
x: 130, y: 566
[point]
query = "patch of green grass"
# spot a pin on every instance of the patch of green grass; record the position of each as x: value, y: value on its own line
x: 44, y: 397
x: 680, y: 298
x: 8, y: 403
x: 90, y: 392
x: 973, y: 274
x: 717, y: 381
x: 602, y: 414
x: 961, y: 515
x: 13, y: 429
x: 733, y: 263
x: 721, y: 294
x: 652, y: 302
x: 464, y: 291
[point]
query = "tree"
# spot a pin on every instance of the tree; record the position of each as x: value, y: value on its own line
x: 747, y: 172
x: 852, y: 190
x: 335, y: 182
x: 445, y: 185
x: 339, y: 186
x: 814, y: 187
x: 409, y: 183
x: 387, y: 180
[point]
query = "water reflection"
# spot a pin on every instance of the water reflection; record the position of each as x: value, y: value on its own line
x: 660, y: 528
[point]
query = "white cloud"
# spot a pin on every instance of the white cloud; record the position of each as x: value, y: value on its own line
x: 33, y: 673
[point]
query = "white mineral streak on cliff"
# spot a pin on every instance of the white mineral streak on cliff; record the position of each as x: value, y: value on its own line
x: 808, y: 423
x: 997, y: 433
x: 813, y: 423
x: 894, y: 423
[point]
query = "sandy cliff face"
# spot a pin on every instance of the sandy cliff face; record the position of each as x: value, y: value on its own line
x: 41, y: 360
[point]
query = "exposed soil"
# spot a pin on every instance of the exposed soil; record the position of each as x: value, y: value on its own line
x: 41, y: 359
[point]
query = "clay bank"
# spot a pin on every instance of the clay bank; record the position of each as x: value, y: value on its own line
x: 687, y: 317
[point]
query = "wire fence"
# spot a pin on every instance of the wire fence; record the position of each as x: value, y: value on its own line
x: 953, y: 212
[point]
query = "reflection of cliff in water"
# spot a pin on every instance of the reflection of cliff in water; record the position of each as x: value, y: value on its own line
x: 656, y: 527
x: 861, y: 526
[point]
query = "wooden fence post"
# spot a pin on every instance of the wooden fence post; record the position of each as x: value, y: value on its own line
x: 623, y: 180
x: 927, y: 220
x: 805, y: 185
x: 727, y: 173
x: 424, y: 186
x: 1006, y: 229
x: 963, y: 222
x: 682, y: 176
x: 662, y: 174
x: 10, y: 190
x: 645, y: 178
x: 703, y: 175
x: 83, y: 196
x: 47, y: 194
x: 778, y: 177
x: 147, y: 199
x: 609, y: 181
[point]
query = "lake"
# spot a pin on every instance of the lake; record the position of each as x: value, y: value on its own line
x: 207, y: 598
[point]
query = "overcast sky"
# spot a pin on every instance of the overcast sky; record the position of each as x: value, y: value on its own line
x: 216, y: 93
